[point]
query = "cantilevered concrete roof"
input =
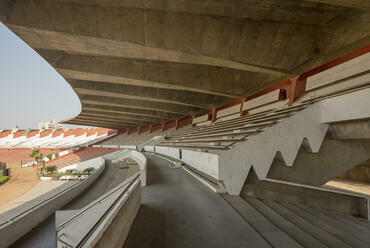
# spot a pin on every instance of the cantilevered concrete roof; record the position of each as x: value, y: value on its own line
x: 136, y: 63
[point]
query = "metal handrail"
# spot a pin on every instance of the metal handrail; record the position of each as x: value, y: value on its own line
x: 42, y: 202
x: 92, y: 229
x: 94, y: 203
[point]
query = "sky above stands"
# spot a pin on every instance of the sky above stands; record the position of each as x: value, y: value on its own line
x: 31, y: 91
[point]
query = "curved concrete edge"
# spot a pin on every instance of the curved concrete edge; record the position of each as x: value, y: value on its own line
x: 115, y: 228
x: 139, y: 158
x: 106, y: 221
x: 15, y: 229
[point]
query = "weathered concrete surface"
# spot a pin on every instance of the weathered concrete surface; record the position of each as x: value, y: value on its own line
x: 316, y: 197
x: 160, y: 59
x: 352, y: 130
x: 334, y: 158
x: 21, y: 220
x: 178, y: 211
x: 44, y: 234
x: 118, y: 230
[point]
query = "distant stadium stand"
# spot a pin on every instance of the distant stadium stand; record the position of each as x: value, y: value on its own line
x: 53, y: 138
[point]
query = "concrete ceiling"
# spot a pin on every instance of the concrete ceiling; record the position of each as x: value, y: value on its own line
x: 140, y: 62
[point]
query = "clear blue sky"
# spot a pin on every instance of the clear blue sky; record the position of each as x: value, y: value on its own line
x: 31, y: 90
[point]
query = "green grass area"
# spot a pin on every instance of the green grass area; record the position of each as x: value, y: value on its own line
x: 3, y: 179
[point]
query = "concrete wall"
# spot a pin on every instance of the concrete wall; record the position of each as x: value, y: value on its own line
x: 21, y: 225
x: 343, y: 108
x: 168, y: 151
x: 149, y: 148
x: 141, y: 161
x: 360, y: 173
x: 229, y: 111
x: 120, y: 224
x: 202, y: 161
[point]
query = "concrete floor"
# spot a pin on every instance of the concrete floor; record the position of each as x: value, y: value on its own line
x: 44, y: 235
x: 179, y: 211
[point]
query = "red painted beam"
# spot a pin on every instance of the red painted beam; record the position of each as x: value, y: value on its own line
x: 144, y: 129
x: 298, y: 86
x: 155, y: 127
x: 132, y: 130
x: 184, y: 121
x: 169, y: 124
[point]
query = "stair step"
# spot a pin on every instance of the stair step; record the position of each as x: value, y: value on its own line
x: 334, y: 230
x: 358, y: 222
x: 289, y: 228
x: 306, y: 225
x: 272, y: 234
x: 346, y: 226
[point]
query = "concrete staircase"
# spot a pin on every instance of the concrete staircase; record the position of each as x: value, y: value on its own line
x: 298, y: 148
x: 288, y: 225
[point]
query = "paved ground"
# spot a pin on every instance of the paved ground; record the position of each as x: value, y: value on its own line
x: 44, y: 235
x: 179, y: 211
x: 21, y: 180
x: 39, y: 189
x: 357, y: 187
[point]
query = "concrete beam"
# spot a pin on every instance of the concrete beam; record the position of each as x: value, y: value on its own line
x: 92, y: 124
x: 116, y: 118
x: 152, y: 94
x: 186, y: 77
x: 164, y: 36
x: 132, y: 111
x: 117, y: 122
x: 99, y: 123
x: 138, y: 104
x: 285, y: 11
x: 88, y: 45
x: 354, y: 4
x: 120, y: 114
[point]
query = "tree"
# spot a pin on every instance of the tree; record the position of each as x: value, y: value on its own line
x: 37, y: 155
x: 89, y: 170
x: 56, y: 155
x: 49, y: 156
x: 50, y: 169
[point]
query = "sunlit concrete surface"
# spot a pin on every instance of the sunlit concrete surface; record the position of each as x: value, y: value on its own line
x: 37, y: 190
x: 353, y: 186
